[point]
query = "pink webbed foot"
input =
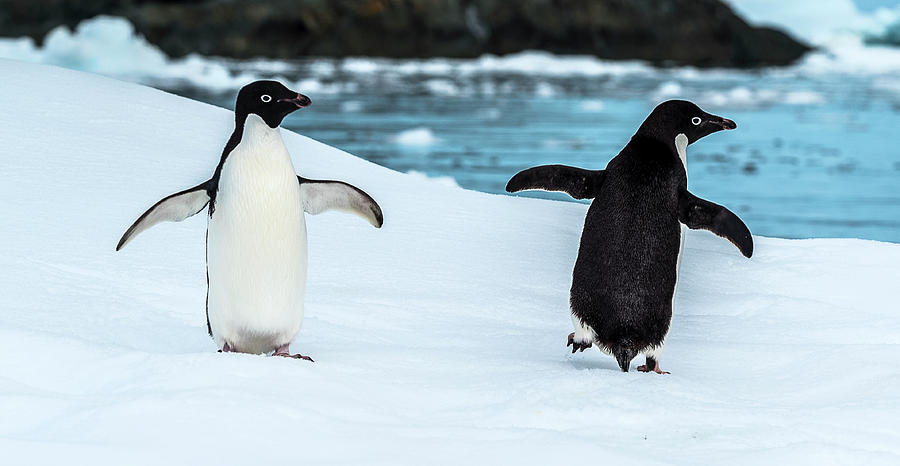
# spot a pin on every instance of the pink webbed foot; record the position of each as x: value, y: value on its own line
x: 284, y: 351
x: 651, y: 365
x: 227, y: 348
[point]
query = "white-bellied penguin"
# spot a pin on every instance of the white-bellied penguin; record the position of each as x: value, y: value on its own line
x: 256, y: 252
x: 623, y: 284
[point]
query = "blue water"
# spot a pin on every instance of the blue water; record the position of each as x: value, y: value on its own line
x: 827, y: 166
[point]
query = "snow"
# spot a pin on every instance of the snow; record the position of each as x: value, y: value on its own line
x: 448, y: 181
x: 439, y: 339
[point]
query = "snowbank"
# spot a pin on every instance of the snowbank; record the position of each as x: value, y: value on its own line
x: 439, y: 339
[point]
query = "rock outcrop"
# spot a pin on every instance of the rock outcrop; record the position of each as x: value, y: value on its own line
x: 665, y: 32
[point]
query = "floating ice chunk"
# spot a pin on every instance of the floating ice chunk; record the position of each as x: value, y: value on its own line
x: 803, y: 98
x: 352, y: 106
x: 668, y: 90
x: 743, y: 97
x: 544, y: 89
x: 592, y: 105
x: 106, y: 45
x: 420, y: 136
x: 22, y: 49
x: 443, y: 87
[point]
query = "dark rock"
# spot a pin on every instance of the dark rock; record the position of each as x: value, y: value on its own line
x: 664, y: 32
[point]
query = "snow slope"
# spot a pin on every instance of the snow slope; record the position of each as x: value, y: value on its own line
x: 439, y: 339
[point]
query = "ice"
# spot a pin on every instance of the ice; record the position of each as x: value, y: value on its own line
x: 352, y: 106
x: 818, y: 21
x: 110, y: 46
x: 743, y: 97
x: 737, y: 97
x: 438, y: 339
x: 420, y: 136
x: 592, y: 105
x: 668, y: 90
x: 442, y: 180
x: 803, y: 98
x: 442, y: 87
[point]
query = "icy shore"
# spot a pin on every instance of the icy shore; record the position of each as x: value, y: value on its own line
x: 439, y: 339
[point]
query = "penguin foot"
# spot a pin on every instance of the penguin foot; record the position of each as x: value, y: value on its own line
x: 294, y: 356
x: 285, y: 352
x: 578, y: 345
x: 226, y: 348
x: 651, y: 365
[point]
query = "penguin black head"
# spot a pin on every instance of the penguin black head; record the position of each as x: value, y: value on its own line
x: 268, y: 99
x: 674, y: 117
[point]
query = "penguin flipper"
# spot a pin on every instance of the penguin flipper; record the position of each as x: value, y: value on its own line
x: 323, y: 195
x: 700, y: 213
x: 172, y: 208
x: 576, y: 182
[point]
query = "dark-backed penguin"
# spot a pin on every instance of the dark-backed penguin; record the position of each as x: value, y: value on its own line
x: 256, y: 252
x: 623, y: 284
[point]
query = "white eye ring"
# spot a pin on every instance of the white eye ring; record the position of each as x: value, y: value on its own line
x: 696, y: 120
x: 266, y: 98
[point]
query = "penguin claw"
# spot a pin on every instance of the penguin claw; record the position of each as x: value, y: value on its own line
x: 644, y: 368
x: 578, y: 345
x: 294, y: 356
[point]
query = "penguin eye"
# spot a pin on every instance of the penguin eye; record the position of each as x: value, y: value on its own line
x: 266, y: 98
x: 696, y: 120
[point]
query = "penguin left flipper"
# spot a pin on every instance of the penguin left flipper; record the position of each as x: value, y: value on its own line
x: 576, y: 182
x: 323, y: 195
x: 173, y: 208
x: 700, y: 213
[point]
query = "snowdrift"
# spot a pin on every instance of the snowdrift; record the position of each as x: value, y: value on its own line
x: 439, y: 339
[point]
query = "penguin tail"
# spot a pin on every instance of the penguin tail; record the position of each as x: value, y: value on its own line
x: 624, y: 354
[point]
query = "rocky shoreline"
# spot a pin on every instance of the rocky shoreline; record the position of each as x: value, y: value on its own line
x: 702, y: 33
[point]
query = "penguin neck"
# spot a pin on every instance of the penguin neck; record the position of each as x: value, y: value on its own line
x: 681, y: 143
x: 677, y: 146
x: 254, y: 131
x: 250, y: 129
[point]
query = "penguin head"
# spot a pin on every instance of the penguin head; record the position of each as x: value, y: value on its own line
x: 674, y: 117
x: 270, y: 100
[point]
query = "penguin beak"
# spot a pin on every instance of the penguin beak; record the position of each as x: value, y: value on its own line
x: 300, y: 101
x: 723, y: 123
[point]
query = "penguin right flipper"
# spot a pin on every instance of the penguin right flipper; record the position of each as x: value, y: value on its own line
x: 173, y: 208
x: 700, y: 213
x: 576, y: 182
x: 323, y: 195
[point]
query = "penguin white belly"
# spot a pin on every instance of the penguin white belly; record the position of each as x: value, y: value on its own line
x: 256, y: 245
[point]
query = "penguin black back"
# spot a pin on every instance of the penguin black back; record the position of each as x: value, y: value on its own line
x: 625, y: 275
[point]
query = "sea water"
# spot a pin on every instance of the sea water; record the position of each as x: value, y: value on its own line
x: 815, y: 153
